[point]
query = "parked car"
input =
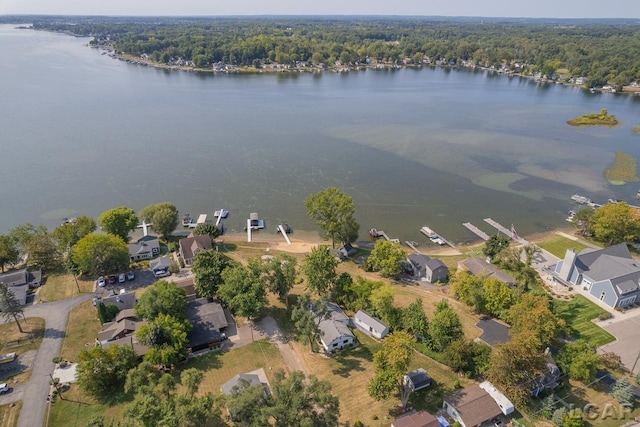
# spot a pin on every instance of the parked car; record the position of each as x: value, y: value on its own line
x: 101, y: 281
x: 122, y: 278
x: 112, y: 279
x: 4, y: 388
x: 131, y: 275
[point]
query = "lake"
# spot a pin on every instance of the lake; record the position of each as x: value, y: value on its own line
x: 82, y: 133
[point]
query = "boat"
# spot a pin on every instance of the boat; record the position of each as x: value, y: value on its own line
x: 221, y: 213
x: 186, y: 220
x: 580, y: 199
x: 438, y: 240
x: 571, y: 216
x: 254, y: 222
x: 285, y: 227
x: 7, y: 358
x: 428, y: 232
x: 374, y: 233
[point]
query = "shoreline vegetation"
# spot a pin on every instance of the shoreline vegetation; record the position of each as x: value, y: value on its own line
x: 635, y: 129
x: 623, y: 169
x: 595, y: 119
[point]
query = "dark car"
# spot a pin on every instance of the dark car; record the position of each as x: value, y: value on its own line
x: 112, y: 279
x: 131, y: 275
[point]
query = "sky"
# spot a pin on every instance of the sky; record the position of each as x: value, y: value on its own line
x: 489, y: 8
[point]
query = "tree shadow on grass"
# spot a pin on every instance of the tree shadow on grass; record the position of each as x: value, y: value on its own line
x: 54, y: 333
x: 351, y: 361
x: 203, y: 363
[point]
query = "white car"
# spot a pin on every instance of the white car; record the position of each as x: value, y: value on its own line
x: 122, y: 278
x: 4, y: 388
x: 101, y: 281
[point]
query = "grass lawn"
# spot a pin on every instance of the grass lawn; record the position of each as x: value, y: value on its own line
x: 61, y: 286
x: 82, y: 328
x: 9, y: 414
x: 578, y: 314
x: 77, y: 409
x: 218, y: 368
x: 558, y: 245
x: 14, y: 341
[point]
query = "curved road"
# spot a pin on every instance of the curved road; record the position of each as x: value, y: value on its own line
x: 35, y: 392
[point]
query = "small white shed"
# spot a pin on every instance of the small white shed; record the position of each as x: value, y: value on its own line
x: 370, y: 325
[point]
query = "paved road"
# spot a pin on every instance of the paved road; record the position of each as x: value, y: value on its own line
x: 627, y: 344
x: 34, y: 393
x: 269, y: 328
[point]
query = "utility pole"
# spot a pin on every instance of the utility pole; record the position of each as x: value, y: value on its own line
x: 55, y: 384
x: 75, y: 278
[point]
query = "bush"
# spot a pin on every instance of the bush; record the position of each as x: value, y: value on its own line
x: 358, y: 424
x: 374, y: 417
x: 611, y: 360
x: 174, y: 267
x: 604, y: 316
x: 57, y: 359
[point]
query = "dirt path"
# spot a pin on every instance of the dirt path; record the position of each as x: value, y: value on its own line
x: 268, y: 327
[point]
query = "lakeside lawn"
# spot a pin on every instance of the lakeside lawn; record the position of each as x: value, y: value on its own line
x: 557, y: 245
x: 61, y: 286
x: 14, y: 341
x: 9, y: 414
x: 82, y: 329
x: 579, y: 313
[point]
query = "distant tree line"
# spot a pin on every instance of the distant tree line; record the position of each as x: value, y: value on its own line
x: 598, y: 50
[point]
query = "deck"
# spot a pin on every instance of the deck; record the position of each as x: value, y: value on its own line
x: 506, y: 231
x: 475, y: 230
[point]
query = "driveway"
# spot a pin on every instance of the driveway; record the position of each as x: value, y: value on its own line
x: 269, y: 328
x: 627, y: 343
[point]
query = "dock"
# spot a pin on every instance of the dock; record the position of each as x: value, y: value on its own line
x: 201, y: 220
x: 380, y: 233
x: 437, y: 238
x: 475, y: 230
x: 510, y: 233
x: 413, y: 246
x: 284, y: 234
x: 220, y: 214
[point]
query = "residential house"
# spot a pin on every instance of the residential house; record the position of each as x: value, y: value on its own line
x: 471, y: 406
x: 549, y: 380
x: 501, y: 400
x: 418, y: 419
x: 123, y: 301
x: 188, y: 285
x: 160, y: 267
x: 19, y: 281
x: 131, y: 341
x: 122, y: 331
x: 145, y: 248
x: 611, y: 275
x: 207, y: 324
x: 426, y: 268
x: 193, y: 244
x: 417, y: 379
x: 370, y: 325
x: 243, y: 380
x: 482, y: 268
x: 334, y: 332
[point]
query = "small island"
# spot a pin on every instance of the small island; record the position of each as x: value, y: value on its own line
x: 635, y: 129
x: 622, y: 169
x: 596, y: 119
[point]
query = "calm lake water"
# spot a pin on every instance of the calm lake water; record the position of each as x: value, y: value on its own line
x: 82, y: 133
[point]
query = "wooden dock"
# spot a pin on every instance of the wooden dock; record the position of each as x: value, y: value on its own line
x: 475, y: 230
x: 430, y: 235
x: 284, y: 234
x: 386, y: 236
x: 412, y: 246
x: 506, y: 231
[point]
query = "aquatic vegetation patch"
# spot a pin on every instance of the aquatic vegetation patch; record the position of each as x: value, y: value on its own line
x: 596, y: 119
x: 635, y: 129
x: 622, y: 169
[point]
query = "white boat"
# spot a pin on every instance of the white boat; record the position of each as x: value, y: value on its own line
x: 580, y: 199
x: 438, y: 240
x: 428, y: 232
x: 221, y: 213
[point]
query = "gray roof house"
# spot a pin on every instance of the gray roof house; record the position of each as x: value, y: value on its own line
x: 207, y: 323
x: 145, y: 248
x: 481, y: 268
x: 370, y: 325
x: 334, y: 332
x: 471, y: 406
x: 611, y: 275
x: 122, y: 301
x: 426, y: 268
x: 248, y: 379
x: 417, y: 380
x: 191, y: 245
x: 19, y: 281
x: 160, y: 267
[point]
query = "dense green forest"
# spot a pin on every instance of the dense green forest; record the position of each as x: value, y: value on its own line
x: 602, y: 51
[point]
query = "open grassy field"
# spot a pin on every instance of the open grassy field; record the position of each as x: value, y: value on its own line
x: 578, y: 314
x: 82, y: 329
x: 77, y: 409
x: 61, y: 286
x: 558, y: 245
x: 9, y: 414
x: 14, y: 341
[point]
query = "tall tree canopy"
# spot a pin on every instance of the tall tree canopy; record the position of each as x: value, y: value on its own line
x: 167, y: 337
x: 9, y: 305
x: 414, y: 320
x: 391, y: 364
x: 9, y: 254
x: 100, y: 254
x: 445, y: 327
x: 386, y: 257
x: 279, y: 275
x: 496, y: 244
x: 533, y: 314
x: 320, y: 268
x: 208, y: 267
x: 163, y: 217
x: 615, y: 223
x: 242, y: 291
x: 334, y: 212
x: 119, y: 222
x: 69, y: 233
x: 162, y: 298
x: 102, y: 371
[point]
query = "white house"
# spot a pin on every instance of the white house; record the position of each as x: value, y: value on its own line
x: 145, y: 248
x: 370, y: 325
x: 334, y: 332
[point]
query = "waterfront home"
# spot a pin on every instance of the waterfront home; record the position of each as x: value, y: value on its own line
x: 19, y: 281
x: 208, y: 323
x: 483, y: 268
x: 370, y: 325
x: 428, y: 269
x: 193, y: 244
x: 160, y: 267
x: 610, y: 275
x: 145, y: 248
x: 334, y: 330
x: 123, y: 301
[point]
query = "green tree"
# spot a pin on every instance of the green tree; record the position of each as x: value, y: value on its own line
x: 167, y: 337
x: 25, y: 232
x: 101, y: 372
x: 582, y: 220
x: 468, y: 288
x: 622, y: 391
x: 247, y: 403
x: 163, y: 217
x: 469, y: 357
x: 334, y: 212
x: 306, y: 316
x: 320, y: 268
x: 615, y: 223
x: 10, y: 307
x: 579, y: 360
x: 9, y: 253
x: 497, y: 296
x: 533, y: 314
x: 100, y: 254
x: 191, y: 379
x: 42, y: 252
x: 386, y: 257
x: 69, y: 233
x: 162, y: 298
x: 207, y: 228
x: 414, y: 320
x: 382, y: 302
x: 445, y: 327
x: 391, y: 364
x: 279, y: 275
x: 496, y: 244
x: 573, y: 418
x: 208, y: 267
x: 242, y: 291
x: 106, y: 313
x: 119, y: 222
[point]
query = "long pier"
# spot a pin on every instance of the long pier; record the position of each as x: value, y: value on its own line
x: 284, y: 234
x: 475, y: 230
x: 386, y: 236
x: 506, y: 231
x: 412, y: 246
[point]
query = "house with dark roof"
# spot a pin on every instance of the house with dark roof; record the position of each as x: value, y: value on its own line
x: 19, y: 281
x: 193, y: 244
x: 417, y: 419
x: 426, y: 268
x: 370, y: 325
x: 471, y: 406
x: 548, y: 380
x: 417, y: 379
x: 122, y: 301
x: 119, y: 329
x: 131, y: 341
x: 208, y: 323
x: 611, y: 275
x: 188, y: 285
x: 145, y: 248
x: 334, y: 330
x: 482, y: 268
